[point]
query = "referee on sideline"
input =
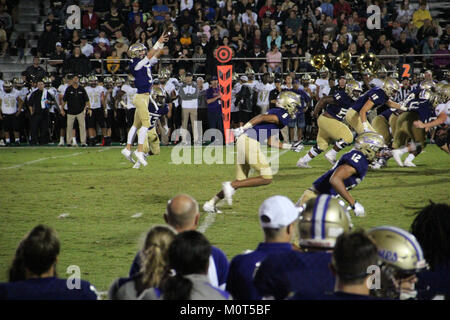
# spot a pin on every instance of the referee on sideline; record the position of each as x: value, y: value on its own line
x: 77, y: 105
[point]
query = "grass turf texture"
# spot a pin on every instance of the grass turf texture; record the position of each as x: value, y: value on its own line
x: 101, y: 192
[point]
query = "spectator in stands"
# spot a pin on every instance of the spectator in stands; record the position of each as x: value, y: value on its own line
x: 77, y: 63
x: 101, y: 7
x: 431, y: 227
x: 112, y: 64
x: 51, y: 20
x: 47, y: 41
x: 277, y: 217
x: 421, y: 14
x: 74, y: 41
x: 189, y: 104
x: 189, y: 256
x: 428, y: 47
x: 91, y: 22
x: 442, y: 62
x: 294, y: 22
x: 327, y: 8
x: 137, y: 27
x: 86, y: 48
x: 199, y: 65
x: 159, y: 10
x: 20, y: 45
x: 103, y: 48
x: 426, y: 30
x: 102, y: 38
x: 324, y: 46
x: 155, y: 259
x: 113, y: 21
x: 274, y: 60
x: 389, y: 62
x: 35, y: 70
x: 405, y: 12
x: 121, y: 44
x: 58, y: 57
x: 341, y: 6
x: 37, y: 256
x: 249, y: 19
x: 273, y: 37
x: 6, y: 19
x: 182, y: 213
x: 186, y: 5
x: 3, y: 40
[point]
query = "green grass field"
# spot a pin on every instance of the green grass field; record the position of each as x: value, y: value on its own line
x: 100, y: 192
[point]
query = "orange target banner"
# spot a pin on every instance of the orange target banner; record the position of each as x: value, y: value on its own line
x: 225, y: 75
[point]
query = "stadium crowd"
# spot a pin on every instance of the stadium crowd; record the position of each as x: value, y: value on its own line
x: 294, y: 261
x: 284, y: 35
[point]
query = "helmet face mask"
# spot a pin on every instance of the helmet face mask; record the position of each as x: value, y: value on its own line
x: 391, y: 86
x: 159, y: 96
x: 353, y: 89
x: 371, y: 144
x: 137, y: 50
x: 289, y: 101
x: 7, y: 86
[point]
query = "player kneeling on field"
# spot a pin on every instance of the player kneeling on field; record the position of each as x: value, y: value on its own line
x: 157, y: 107
x: 249, y: 154
x: 349, y: 171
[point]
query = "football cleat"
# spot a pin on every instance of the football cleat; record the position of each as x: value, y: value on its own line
x: 397, y: 157
x: 210, y: 208
x: 228, y: 192
x: 409, y: 163
x: 127, y: 154
x: 137, y: 165
x: 302, y: 164
x: 330, y: 158
x: 140, y: 156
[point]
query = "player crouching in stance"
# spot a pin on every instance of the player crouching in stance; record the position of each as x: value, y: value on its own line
x: 157, y: 107
x: 141, y: 69
x: 332, y: 128
x: 420, y: 109
x: 402, y: 258
x: 348, y: 172
x: 249, y: 154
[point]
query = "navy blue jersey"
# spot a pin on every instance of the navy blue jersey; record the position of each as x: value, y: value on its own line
x: 376, y: 95
x: 423, y: 108
x: 51, y: 288
x: 283, y: 273
x: 387, y: 113
x: 242, y: 269
x: 339, y: 295
x: 217, y: 272
x: 342, y: 102
x: 354, y: 158
x: 156, y: 113
x: 143, y: 75
x: 264, y: 130
x: 434, y: 282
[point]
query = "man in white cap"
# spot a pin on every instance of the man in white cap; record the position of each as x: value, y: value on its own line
x: 277, y: 216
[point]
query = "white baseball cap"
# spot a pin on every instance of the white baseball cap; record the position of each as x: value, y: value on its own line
x: 277, y: 212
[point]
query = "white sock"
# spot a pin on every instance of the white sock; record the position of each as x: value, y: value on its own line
x: 332, y: 153
x: 74, y: 140
x: 61, y: 139
x: 215, y: 200
x: 306, y: 158
x: 7, y: 140
x: 403, y: 150
x: 410, y: 157
x: 17, y: 140
x: 131, y: 134
x: 142, y: 135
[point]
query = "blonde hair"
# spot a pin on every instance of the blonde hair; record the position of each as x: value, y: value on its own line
x: 154, y: 254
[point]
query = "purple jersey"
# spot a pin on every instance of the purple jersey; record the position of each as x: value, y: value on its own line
x: 353, y: 158
x: 434, y: 282
x: 342, y: 102
x: 143, y: 77
x: 387, y: 113
x: 339, y: 295
x: 242, y: 269
x: 423, y: 108
x: 51, y: 288
x: 376, y: 95
x: 264, y: 130
x: 284, y: 273
x: 156, y: 113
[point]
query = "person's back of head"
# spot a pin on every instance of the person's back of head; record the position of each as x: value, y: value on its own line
x: 431, y: 227
x: 40, y: 249
x: 353, y: 254
x: 155, y: 254
x: 188, y: 254
x: 182, y: 213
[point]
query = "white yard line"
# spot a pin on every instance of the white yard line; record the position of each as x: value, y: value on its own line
x: 41, y: 159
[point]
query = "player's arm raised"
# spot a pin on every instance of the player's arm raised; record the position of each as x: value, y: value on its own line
x: 158, y: 46
x: 321, y: 104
